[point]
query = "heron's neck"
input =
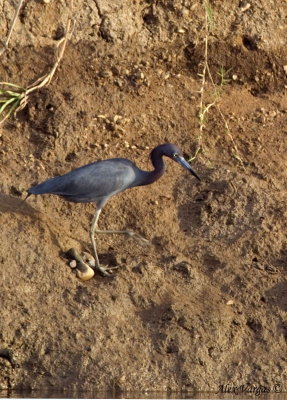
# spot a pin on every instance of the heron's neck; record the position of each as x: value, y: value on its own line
x: 159, y: 167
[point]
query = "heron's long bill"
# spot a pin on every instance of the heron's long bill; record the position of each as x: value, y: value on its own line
x: 186, y: 165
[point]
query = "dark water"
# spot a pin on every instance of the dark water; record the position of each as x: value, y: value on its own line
x: 66, y: 394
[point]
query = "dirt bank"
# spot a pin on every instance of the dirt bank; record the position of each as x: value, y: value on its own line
x: 205, y: 304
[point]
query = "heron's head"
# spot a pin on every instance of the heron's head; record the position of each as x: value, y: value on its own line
x: 173, y: 152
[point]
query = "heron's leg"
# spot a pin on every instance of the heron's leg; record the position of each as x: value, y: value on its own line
x: 129, y: 233
x: 92, y: 236
x: 94, y: 229
x: 103, y: 270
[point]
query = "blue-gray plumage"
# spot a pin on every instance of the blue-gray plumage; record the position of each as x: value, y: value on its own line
x: 98, y: 181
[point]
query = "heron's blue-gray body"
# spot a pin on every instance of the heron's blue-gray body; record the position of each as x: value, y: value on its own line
x: 98, y: 181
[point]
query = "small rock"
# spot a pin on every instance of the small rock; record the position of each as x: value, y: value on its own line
x: 271, y: 269
x: 154, y: 202
x: 259, y: 266
x: 119, y: 82
x: 83, y: 270
x: 260, y: 119
x: 184, y: 268
x: 8, y: 355
x: 73, y: 264
x: 245, y: 7
x: 273, y: 113
x: 140, y: 268
x: 85, y: 273
x: 101, y: 116
x: 71, y: 156
x: 105, y: 74
x: 117, y: 118
x: 15, y: 191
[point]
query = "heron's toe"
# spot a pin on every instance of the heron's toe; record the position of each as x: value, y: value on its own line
x: 106, y: 271
x: 138, y: 237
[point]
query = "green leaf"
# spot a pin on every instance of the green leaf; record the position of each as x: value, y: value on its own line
x: 6, y: 104
x: 12, y: 84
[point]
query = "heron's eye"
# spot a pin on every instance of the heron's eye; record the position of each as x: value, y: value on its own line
x: 175, y: 155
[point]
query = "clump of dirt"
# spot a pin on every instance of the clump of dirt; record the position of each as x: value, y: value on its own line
x: 204, y: 304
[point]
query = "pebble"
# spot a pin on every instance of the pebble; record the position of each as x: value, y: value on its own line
x: 117, y: 117
x: 119, y: 82
x: 154, y: 202
x: 184, y: 268
x: 260, y: 119
x: 271, y: 269
x: 101, y: 116
x: 105, y: 74
x: 273, y: 113
x: 73, y: 264
x: 85, y: 274
x: 245, y: 7
x: 83, y: 270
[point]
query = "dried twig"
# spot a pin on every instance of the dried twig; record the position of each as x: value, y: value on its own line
x: 204, y: 108
x: 16, y: 99
x: 5, y: 46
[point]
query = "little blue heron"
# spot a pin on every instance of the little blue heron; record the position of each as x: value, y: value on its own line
x: 98, y: 181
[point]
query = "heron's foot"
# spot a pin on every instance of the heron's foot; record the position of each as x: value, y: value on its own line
x: 105, y: 270
x: 138, y: 237
x: 93, y: 262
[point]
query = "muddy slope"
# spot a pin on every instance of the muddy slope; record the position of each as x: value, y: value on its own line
x: 205, y: 303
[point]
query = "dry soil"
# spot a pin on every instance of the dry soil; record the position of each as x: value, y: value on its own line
x: 205, y: 303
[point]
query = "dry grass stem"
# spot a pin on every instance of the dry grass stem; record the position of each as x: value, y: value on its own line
x: 205, y: 107
x: 5, y: 46
x: 13, y: 98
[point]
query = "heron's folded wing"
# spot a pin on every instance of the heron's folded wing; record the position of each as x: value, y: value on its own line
x: 92, y: 181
